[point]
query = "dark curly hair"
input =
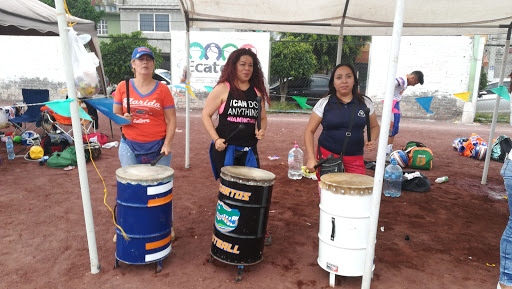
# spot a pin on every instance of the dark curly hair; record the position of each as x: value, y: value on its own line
x: 228, y: 73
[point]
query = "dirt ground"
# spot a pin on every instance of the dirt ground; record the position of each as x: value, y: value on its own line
x: 454, y: 229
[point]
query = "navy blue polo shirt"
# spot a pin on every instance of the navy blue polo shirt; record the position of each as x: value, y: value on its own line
x: 336, y: 120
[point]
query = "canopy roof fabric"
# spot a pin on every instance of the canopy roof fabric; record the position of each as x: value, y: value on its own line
x: 34, y: 18
x: 368, y: 17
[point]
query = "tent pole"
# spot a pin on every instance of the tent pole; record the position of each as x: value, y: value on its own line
x: 77, y: 133
x: 187, y: 105
x: 496, y: 106
x: 187, y: 79
x: 340, y: 37
x: 383, y: 142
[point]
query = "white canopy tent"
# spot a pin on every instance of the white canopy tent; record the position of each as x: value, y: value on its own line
x: 345, y: 17
x: 34, y: 18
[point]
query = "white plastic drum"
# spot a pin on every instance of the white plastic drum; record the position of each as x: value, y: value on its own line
x: 345, y: 208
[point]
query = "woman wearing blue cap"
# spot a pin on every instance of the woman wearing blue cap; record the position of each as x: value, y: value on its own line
x: 149, y: 106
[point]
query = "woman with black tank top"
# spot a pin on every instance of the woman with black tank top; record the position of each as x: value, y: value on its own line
x: 343, y: 105
x: 235, y: 99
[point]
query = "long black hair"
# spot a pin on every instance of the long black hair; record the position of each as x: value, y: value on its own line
x: 355, y: 91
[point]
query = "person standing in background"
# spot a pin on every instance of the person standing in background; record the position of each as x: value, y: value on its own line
x: 401, y: 84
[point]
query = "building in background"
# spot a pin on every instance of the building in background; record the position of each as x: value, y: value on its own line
x: 110, y: 23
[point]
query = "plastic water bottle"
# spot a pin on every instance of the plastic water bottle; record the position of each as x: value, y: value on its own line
x: 295, y: 157
x: 392, y: 180
x: 442, y: 180
x: 10, y: 148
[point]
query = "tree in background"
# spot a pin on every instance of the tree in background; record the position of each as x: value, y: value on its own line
x: 325, y: 48
x: 81, y: 9
x: 117, y: 54
x: 291, y: 59
x: 483, y: 80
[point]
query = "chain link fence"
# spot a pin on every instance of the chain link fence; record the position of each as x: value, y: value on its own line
x: 300, y: 70
x: 494, y: 52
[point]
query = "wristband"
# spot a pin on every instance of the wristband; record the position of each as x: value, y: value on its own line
x: 214, y: 142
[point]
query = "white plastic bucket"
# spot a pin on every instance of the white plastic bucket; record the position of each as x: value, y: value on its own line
x: 345, y: 208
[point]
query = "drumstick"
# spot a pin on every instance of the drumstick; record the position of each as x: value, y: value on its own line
x: 331, y: 156
x: 157, y: 159
x: 258, y: 99
x: 127, y: 81
x: 235, y: 131
x: 368, y: 130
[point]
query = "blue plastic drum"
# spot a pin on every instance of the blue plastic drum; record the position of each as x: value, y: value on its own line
x: 144, y: 212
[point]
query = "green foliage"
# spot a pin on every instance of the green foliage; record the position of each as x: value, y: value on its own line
x: 483, y: 81
x: 487, y: 118
x: 325, y: 48
x: 291, y: 60
x: 280, y: 106
x: 117, y: 54
x: 81, y: 9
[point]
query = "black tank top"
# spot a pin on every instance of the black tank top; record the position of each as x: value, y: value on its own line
x: 239, y: 111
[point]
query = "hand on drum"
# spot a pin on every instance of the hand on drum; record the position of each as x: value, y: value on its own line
x: 260, y: 134
x: 371, y: 145
x: 220, y: 145
x: 310, y: 165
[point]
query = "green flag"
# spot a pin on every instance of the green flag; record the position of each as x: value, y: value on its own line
x: 301, y: 100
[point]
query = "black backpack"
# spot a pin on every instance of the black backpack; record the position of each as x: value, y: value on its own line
x: 54, y: 143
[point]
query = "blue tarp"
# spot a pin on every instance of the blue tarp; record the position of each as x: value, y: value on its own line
x: 105, y: 105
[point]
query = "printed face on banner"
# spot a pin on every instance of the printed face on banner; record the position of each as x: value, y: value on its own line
x: 209, y: 51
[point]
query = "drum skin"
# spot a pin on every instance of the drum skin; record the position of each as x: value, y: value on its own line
x: 242, y: 213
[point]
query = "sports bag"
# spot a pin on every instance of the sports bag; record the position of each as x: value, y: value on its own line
x: 413, y: 144
x: 500, y: 148
x: 62, y: 159
x: 420, y: 158
x: 419, y: 184
x: 95, y: 137
x: 54, y: 143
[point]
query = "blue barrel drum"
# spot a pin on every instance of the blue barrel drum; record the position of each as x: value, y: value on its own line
x: 242, y: 213
x: 144, y: 212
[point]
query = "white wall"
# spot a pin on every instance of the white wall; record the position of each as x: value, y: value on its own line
x: 444, y: 60
x: 31, y: 57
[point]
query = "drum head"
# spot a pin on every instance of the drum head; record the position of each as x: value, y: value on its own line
x: 247, y: 175
x: 347, y: 183
x: 144, y: 174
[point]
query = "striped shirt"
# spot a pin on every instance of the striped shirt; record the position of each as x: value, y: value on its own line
x: 400, y: 86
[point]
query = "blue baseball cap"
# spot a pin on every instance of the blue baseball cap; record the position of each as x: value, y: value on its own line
x: 139, y: 51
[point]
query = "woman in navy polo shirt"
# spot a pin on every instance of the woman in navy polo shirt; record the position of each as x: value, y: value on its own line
x: 334, y: 113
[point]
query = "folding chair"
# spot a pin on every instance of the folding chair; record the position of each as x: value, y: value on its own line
x: 33, y: 98
x: 55, y: 123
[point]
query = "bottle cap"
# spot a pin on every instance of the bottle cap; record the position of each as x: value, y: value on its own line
x: 295, y: 145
